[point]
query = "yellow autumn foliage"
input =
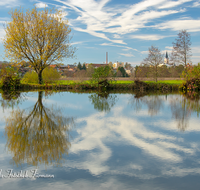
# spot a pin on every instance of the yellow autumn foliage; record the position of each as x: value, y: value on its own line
x: 49, y: 75
x: 38, y: 37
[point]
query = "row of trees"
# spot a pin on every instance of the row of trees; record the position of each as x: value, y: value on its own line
x: 80, y: 67
x: 145, y: 71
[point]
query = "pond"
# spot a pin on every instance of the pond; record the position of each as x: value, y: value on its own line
x: 99, y: 141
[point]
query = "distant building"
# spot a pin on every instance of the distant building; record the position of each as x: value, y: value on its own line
x: 71, y: 68
x: 118, y: 64
x: 129, y: 71
x: 55, y: 67
x: 166, y: 60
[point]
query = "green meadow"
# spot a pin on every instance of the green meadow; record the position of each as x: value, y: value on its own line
x: 71, y: 82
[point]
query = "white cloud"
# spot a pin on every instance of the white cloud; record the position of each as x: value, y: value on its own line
x: 100, y: 20
x: 196, y: 4
x: 114, y: 45
x: 144, y: 52
x: 98, y: 34
x: 80, y: 42
x: 169, y: 47
x: 126, y: 130
x: 181, y: 172
x: 176, y: 25
x: 148, y: 37
x: 9, y: 3
x: 41, y: 5
x: 170, y: 4
x: 127, y: 54
x: 116, y: 36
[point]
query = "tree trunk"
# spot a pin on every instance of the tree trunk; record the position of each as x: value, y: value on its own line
x: 40, y: 81
x: 40, y: 94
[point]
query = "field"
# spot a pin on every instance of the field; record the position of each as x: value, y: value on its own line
x: 170, y: 82
x: 88, y: 84
x: 71, y: 82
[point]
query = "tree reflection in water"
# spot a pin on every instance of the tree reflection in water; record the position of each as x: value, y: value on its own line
x: 10, y: 98
x: 103, y: 101
x: 153, y: 102
x: 181, y: 106
x: 180, y: 112
x: 38, y: 136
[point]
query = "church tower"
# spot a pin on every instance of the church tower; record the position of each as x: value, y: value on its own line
x: 166, y: 60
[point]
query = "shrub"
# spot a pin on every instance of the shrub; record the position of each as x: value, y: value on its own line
x: 49, y: 75
x: 30, y: 77
x: 192, y: 76
x: 101, y: 74
x: 191, y: 72
x: 9, y: 78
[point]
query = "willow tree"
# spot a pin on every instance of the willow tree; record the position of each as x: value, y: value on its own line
x: 38, y: 37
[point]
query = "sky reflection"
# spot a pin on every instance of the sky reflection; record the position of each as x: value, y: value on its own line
x: 122, y: 147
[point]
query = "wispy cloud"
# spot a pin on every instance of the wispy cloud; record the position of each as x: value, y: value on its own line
x: 169, y: 47
x: 116, y: 36
x: 127, y: 54
x: 170, y: 4
x: 144, y: 52
x: 98, y: 34
x: 80, y: 42
x: 196, y: 4
x: 152, y: 142
x: 9, y: 3
x: 176, y: 25
x: 148, y: 37
x: 120, y: 46
x: 100, y: 20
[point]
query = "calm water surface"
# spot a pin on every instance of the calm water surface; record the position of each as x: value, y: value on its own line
x: 99, y: 141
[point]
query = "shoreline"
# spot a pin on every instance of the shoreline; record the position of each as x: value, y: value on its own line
x: 141, y: 86
x: 65, y: 85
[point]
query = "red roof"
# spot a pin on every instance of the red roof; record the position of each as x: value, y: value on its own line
x: 53, y: 66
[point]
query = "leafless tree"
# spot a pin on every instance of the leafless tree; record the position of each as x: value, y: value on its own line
x: 154, y: 59
x: 181, y: 51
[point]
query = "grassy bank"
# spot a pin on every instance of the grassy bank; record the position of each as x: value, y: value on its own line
x: 163, y: 85
x: 71, y: 82
x: 168, y: 85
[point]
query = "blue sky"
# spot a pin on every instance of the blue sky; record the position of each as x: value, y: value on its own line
x: 125, y: 29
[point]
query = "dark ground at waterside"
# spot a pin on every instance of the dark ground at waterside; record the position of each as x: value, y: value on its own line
x: 125, y: 78
x: 15, y: 94
x: 167, y: 84
x: 139, y: 85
